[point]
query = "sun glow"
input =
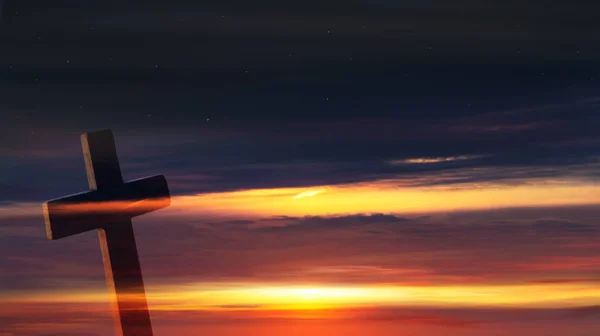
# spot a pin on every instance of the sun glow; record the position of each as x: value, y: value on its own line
x: 285, y: 297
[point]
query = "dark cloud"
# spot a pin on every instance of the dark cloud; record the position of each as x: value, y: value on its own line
x: 509, y: 246
x: 561, y: 226
x: 315, y: 223
x: 230, y: 95
x: 44, y: 319
x: 311, y: 118
x: 323, y: 153
x: 498, y: 246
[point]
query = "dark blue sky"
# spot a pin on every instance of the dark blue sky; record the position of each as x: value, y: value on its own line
x: 373, y: 101
x: 301, y: 93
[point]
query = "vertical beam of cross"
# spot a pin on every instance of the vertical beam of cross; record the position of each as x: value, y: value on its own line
x: 124, y: 280
x: 109, y: 206
x: 117, y: 243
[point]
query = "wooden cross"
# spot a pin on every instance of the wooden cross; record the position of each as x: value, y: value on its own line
x: 109, y: 206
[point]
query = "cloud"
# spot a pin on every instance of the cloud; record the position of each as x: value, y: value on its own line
x: 497, y: 246
x: 44, y: 319
x: 429, y: 160
x: 305, y: 149
x: 561, y: 226
x: 312, y: 223
x: 56, y: 319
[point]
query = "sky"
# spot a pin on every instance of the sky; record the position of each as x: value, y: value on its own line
x: 357, y: 167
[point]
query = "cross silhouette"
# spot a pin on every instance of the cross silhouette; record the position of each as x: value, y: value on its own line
x: 109, y: 206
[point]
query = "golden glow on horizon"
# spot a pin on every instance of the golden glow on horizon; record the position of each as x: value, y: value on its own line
x: 281, y: 297
x: 385, y: 197
x: 374, y: 197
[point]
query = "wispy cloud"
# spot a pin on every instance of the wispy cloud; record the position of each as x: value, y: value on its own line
x: 309, y: 193
x: 529, y: 245
x: 426, y: 160
x: 459, y: 148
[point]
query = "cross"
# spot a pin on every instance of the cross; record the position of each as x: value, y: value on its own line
x: 109, y: 207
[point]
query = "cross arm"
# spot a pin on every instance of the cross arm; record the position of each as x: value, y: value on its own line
x: 97, y: 209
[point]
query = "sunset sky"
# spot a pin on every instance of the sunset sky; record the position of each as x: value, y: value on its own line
x: 336, y: 168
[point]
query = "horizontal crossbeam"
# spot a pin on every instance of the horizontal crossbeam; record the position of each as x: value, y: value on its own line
x: 104, y: 208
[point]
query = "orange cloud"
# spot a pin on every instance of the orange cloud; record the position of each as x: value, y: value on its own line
x: 386, y: 197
